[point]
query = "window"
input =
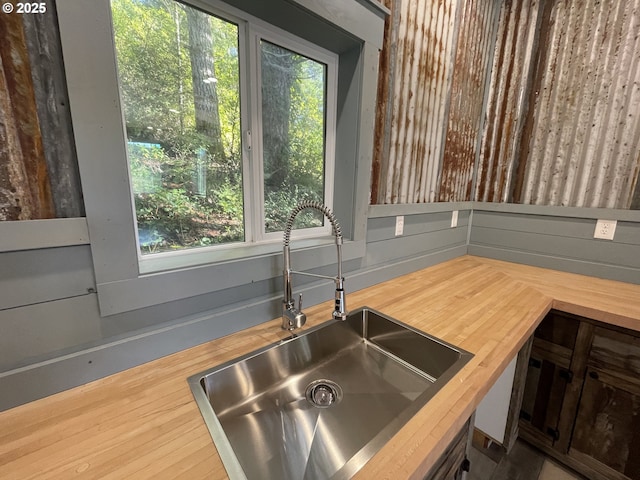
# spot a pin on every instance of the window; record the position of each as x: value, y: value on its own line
x: 339, y: 38
x: 202, y: 172
x: 293, y: 91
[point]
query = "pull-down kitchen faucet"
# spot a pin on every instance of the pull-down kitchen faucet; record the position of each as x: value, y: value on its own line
x: 293, y: 317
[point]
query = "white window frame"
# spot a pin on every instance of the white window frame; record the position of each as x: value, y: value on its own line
x: 250, y: 32
x: 260, y: 31
x: 90, y: 67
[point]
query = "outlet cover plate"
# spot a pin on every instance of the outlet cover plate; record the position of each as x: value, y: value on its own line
x: 399, y: 225
x: 605, y: 229
x: 454, y: 219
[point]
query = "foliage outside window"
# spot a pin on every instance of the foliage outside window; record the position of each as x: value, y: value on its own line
x: 194, y: 183
x: 293, y: 88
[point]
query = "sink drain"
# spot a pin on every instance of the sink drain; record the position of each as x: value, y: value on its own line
x: 323, y: 393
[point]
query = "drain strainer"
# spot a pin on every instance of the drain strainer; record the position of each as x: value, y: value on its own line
x: 323, y: 393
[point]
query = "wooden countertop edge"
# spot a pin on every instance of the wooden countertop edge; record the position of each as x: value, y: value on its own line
x: 385, y: 463
x: 404, y: 455
x: 508, y: 300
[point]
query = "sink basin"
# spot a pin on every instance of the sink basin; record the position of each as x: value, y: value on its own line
x: 321, y: 404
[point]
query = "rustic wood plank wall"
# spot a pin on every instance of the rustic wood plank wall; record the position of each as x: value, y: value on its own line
x: 52, y: 103
x: 24, y: 181
x: 38, y: 168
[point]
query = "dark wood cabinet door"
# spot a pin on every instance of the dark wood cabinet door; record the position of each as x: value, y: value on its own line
x: 596, y: 413
x: 607, y: 430
x: 548, y: 375
x: 606, y: 436
x: 544, y: 393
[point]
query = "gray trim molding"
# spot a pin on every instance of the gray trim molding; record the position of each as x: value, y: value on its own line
x: 555, y: 211
x: 37, y: 234
x: 390, y: 210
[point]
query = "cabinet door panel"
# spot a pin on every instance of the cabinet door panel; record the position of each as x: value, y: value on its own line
x: 616, y: 351
x: 607, y: 427
x: 543, y: 397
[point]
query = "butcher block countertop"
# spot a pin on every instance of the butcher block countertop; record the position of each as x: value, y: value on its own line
x: 144, y: 423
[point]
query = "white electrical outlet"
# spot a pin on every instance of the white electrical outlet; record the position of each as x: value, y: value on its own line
x: 454, y: 219
x: 605, y: 229
x: 399, y: 225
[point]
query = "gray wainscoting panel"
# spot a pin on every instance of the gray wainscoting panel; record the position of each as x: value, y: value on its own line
x: 62, y: 343
x: 34, y: 332
x: 595, y: 250
x: 36, y: 276
x: 72, y: 368
x: 561, y: 243
x: 68, y: 370
x: 403, y: 247
x: 48, y: 233
x: 423, y: 233
x: 383, y: 228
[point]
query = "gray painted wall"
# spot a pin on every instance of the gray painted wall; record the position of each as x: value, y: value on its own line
x: 54, y: 338
x: 560, y: 238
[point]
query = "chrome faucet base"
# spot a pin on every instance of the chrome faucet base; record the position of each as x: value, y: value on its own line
x: 292, y: 318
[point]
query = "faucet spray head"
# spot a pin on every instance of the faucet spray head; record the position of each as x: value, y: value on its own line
x: 340, y: 312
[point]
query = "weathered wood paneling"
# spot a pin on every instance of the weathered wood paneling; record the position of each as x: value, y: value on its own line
x: 24, y: 182
x: 607, y: 429
x: 50, y: 88
x: 616, y: 351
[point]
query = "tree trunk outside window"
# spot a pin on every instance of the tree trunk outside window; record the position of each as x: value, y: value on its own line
x: 205, y: 96
x: 278, y: 74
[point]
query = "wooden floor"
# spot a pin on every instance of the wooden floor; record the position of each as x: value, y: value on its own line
x: 523, y: 463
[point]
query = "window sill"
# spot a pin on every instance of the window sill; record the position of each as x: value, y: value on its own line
x: 162, y: 262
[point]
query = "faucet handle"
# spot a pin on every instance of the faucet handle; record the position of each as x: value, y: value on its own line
x: 300, y: 303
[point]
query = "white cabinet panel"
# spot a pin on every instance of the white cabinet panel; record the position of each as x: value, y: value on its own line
x: 491, y: 415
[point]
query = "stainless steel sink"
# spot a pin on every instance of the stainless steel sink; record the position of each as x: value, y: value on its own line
x: 321, y: 404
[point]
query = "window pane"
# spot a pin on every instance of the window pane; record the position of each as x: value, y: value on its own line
x: 293, y: 129
x: 179, y: 83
